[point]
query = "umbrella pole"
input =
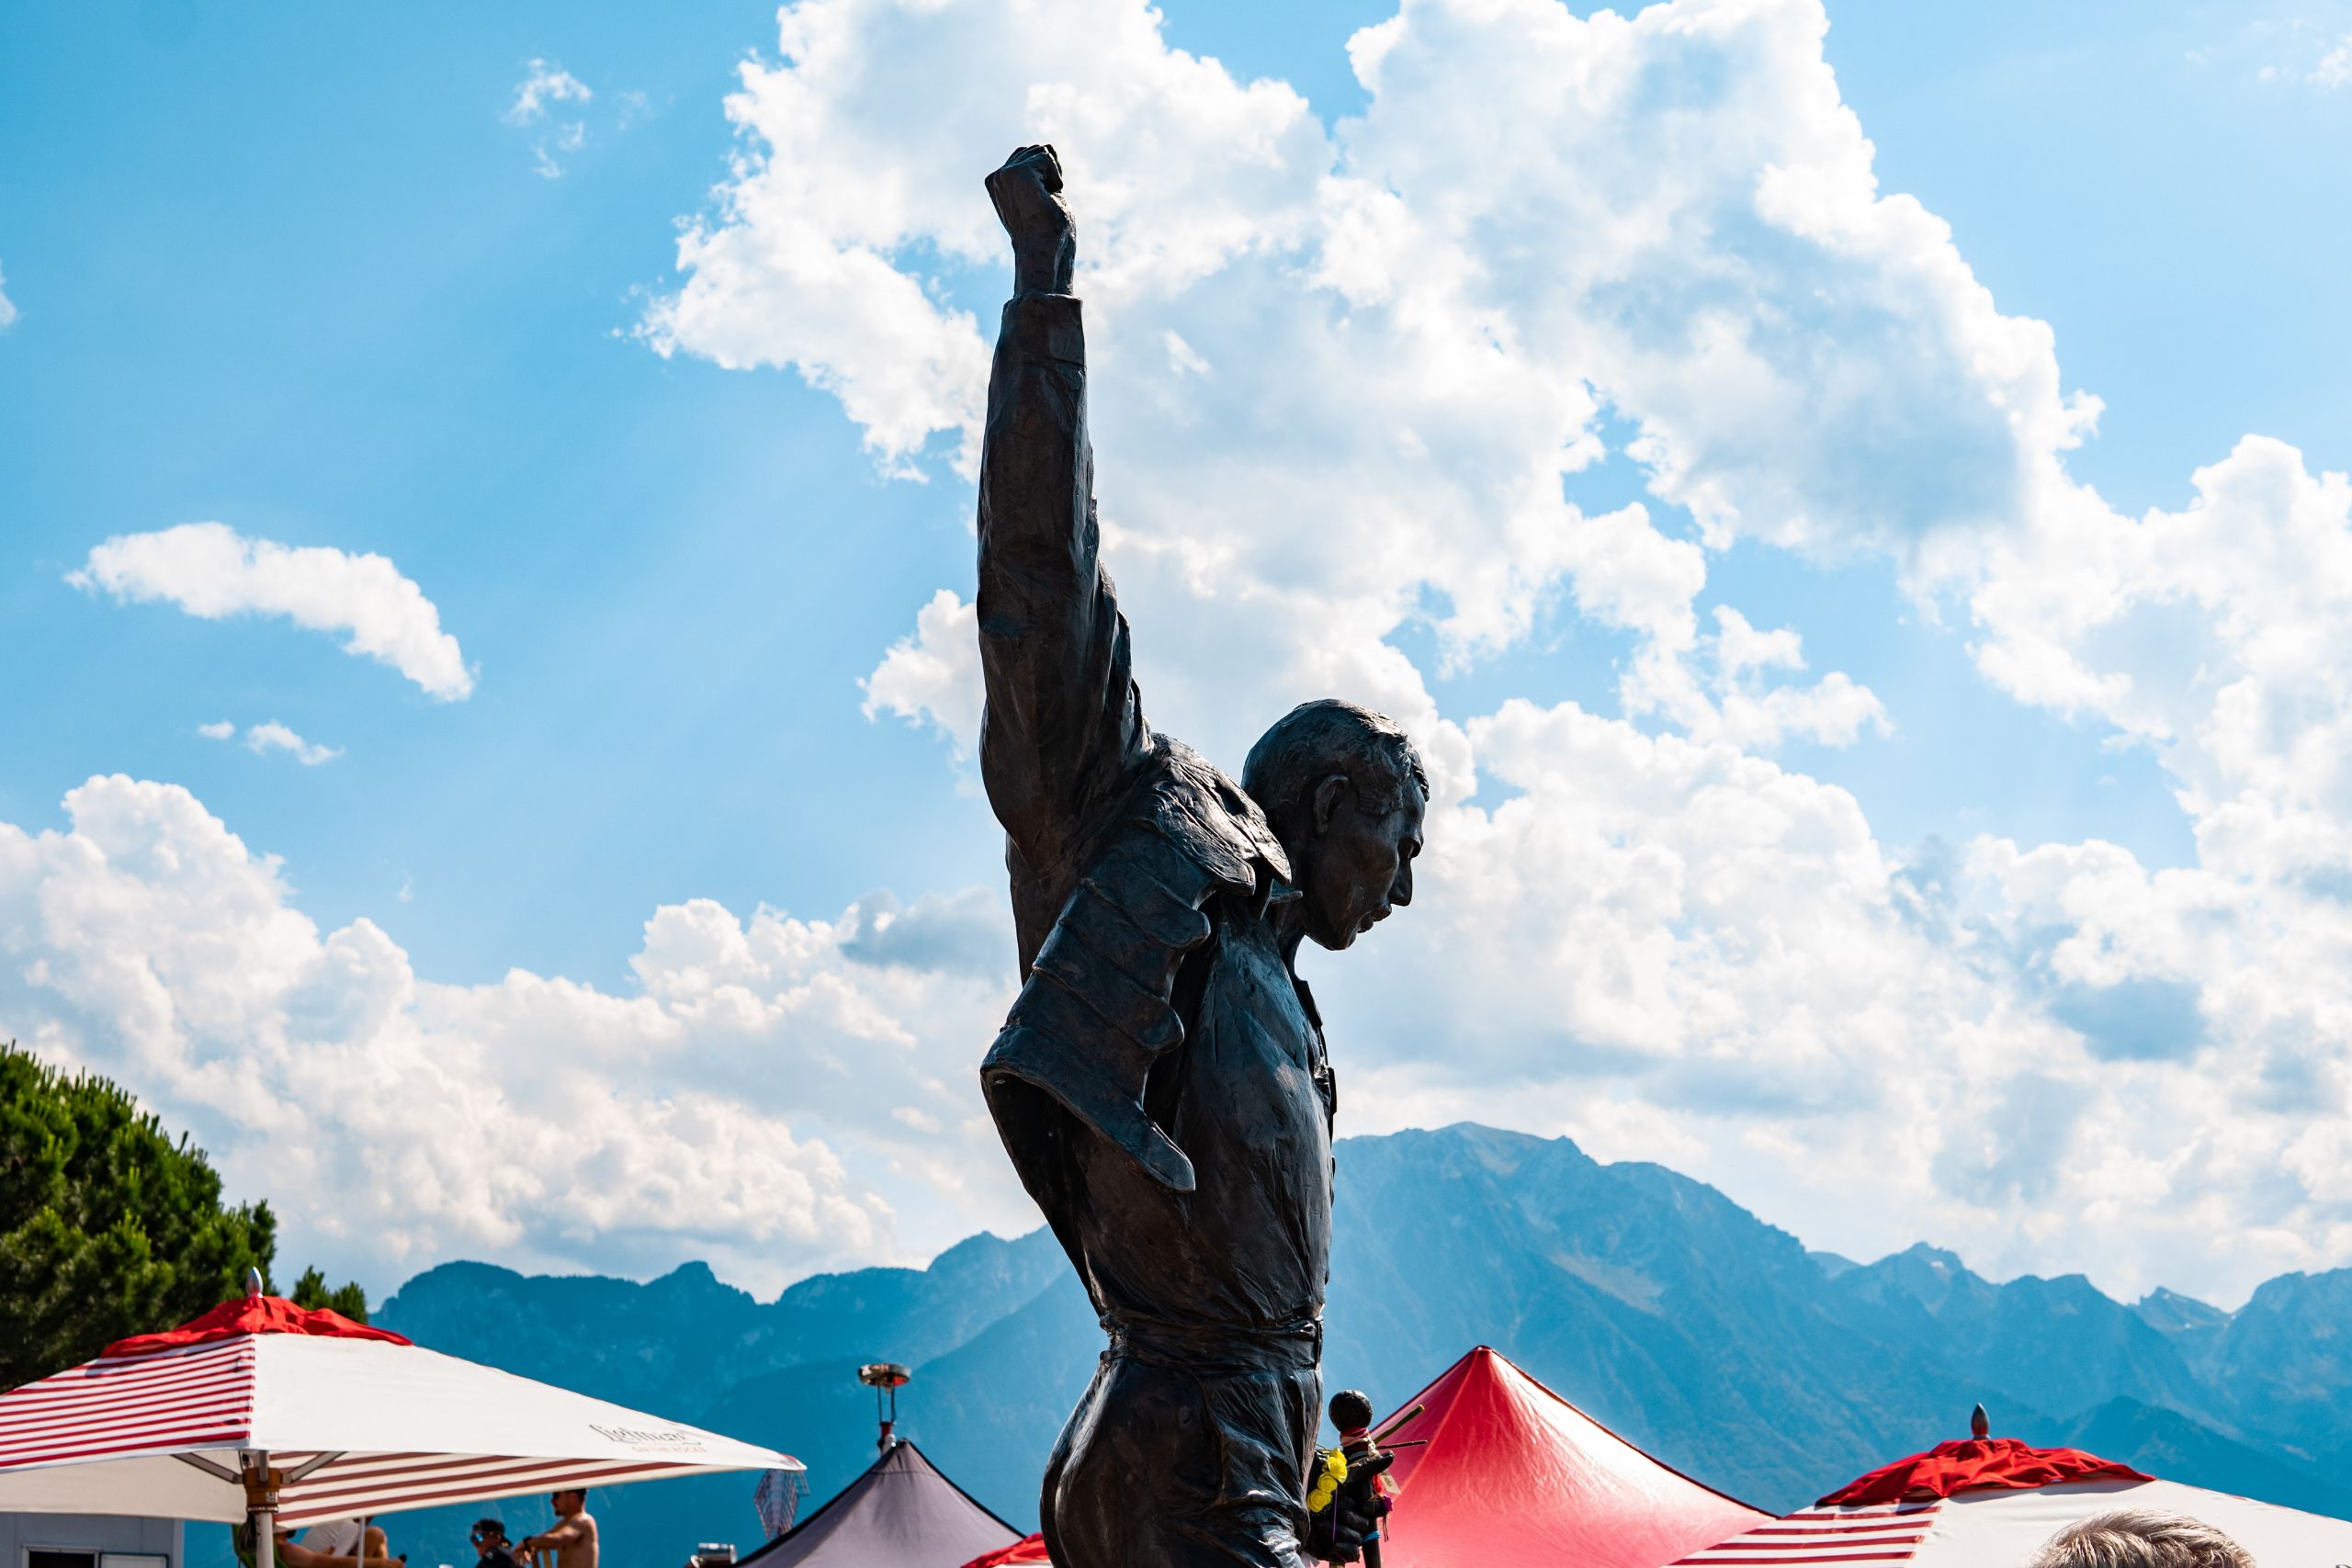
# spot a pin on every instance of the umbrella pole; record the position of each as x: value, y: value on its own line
x: 261, y: 1507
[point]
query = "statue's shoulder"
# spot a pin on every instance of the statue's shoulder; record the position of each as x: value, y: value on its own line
x: 1186, y: 799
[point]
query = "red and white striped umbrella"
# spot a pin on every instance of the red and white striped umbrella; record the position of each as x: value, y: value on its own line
x: 1993, y: 1501
x: 261, y: 1406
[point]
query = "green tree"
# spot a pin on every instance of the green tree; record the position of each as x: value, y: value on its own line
x: 311, y: 1291
x: 107, y: 1226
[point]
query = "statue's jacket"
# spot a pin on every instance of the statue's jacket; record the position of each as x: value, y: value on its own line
x: 1161, y: 1081
x: 1097, y: 1009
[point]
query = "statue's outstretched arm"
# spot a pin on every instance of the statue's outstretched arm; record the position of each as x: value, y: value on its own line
x: 1063, y: 722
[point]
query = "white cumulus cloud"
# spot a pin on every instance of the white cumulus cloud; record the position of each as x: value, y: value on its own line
x: 722, y: 1107
x: 2334, y: 67
x: 272, y: 736
x: 7, y: 307
x: 1637, y: 927
x: 546, y: 84
x: 1402, y: 442
x: 2331, y: 68
x: 210, y: 571
x: 935, y: 673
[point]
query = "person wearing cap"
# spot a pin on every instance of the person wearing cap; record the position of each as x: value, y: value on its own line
x: 491, y: 1545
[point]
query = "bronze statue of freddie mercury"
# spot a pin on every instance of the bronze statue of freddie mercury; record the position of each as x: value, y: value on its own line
x: 1162, y: 1082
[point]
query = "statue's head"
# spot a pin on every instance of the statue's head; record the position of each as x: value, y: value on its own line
x: 1346, y: 792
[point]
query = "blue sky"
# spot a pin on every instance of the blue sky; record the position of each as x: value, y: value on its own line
x: 335, y: 306
x: 306, y: 273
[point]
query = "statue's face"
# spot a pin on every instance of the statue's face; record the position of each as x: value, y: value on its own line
x: 1359, y: 865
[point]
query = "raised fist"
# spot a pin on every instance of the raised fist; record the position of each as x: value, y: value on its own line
x: 1028, y: 194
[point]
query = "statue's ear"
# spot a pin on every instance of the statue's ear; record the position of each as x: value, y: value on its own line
x: 1329, y: 790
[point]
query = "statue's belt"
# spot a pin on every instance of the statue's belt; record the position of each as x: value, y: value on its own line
x: 1210, y: 1348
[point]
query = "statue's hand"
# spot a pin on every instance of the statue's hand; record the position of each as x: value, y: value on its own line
x: 1028, y: 194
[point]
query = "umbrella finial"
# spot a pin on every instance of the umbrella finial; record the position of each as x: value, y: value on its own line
x: 1980, y: 1425
x: 252, y: 1281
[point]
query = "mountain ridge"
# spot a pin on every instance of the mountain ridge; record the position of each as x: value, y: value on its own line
x: 1652, y: 1301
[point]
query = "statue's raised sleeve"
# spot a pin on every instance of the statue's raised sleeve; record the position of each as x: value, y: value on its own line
x: 1063, y: 728
x: 1061, y: 737
x: 1116, y: 840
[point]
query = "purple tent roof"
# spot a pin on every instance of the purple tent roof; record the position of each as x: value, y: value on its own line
x: 900, y: 1514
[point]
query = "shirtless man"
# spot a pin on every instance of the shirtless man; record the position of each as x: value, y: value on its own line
x: 573, y: 1538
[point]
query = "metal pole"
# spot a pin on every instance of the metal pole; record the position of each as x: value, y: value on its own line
x: 260, y: 1481
x: 261, y: 1505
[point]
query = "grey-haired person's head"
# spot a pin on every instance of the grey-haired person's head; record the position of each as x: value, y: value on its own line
x: 2141, y: 1537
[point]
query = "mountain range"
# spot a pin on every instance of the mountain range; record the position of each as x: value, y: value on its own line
x: 1663, y: 1309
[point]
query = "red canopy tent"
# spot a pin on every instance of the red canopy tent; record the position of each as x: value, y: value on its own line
x: 1511, y: 1474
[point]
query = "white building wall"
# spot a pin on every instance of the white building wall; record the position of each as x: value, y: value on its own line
x: 22, y: 1533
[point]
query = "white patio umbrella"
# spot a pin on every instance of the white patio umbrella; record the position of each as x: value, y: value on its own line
x: 1993, y: 1501
x: 261, y: 1408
